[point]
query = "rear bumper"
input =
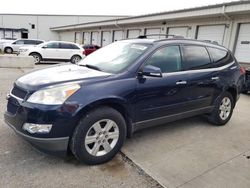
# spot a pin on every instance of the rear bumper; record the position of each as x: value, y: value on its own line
x: 54, y: 146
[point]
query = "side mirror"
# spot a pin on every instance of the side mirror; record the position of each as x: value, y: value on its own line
x: 150, y: 70
x: 44, y: 47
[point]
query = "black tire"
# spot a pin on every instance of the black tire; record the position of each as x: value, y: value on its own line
x: 77, y: 144
x: 215, y: 117
x: 8, y: 50
x: 37, y: 57
x: 75, y: 59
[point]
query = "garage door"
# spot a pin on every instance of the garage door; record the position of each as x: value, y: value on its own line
x: 95, y: 38
x: 16, y: 34
x: 154, y: 31
x: 181, y: 31
x: 212, y: 32
x: 8, y: 34
x: 133, y: 33
x: 106, y: 38
x: 118, y: 35
x: 242, y: 50
x: 86, y: 38
x: 78, y: 38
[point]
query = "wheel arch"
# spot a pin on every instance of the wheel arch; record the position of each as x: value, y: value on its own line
x: 234, y: 93
x: 7, y: 47
x: 115, y: 103
x: 35, y: 53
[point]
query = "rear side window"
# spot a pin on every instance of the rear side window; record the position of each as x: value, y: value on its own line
x: 220, y: 57
x: 52, y: 45
x: 196, y: 57
x: 33, y: 42
x: 168, y: 59
x: 68, y: 46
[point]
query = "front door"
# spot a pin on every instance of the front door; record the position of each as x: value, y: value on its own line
x: 158, y: 97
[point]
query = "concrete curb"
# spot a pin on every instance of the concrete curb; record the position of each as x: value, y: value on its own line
x: 10, y: 61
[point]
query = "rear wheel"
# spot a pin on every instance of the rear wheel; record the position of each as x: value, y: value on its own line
x: 37, y: 57
x: 223, y: 109
x: 8, y: 50
x: 99, y: 136
x: 75, y: 59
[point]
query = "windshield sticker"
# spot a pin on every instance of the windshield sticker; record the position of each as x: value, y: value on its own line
x: 138, y: 47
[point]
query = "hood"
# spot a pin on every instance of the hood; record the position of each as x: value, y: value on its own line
x: 56, y: 75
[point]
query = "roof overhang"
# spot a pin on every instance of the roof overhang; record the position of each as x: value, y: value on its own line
x: 224, y: 9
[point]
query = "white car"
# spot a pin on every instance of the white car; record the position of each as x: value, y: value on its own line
x: 13, y: 46
x: 54, y: 51
x: 5, y: 40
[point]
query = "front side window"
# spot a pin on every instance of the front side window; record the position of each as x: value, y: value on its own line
x: 115, y: 57
x: 168, y: 59
x: 220, y: 57
x: 196, y: 57
x: 19, y: 42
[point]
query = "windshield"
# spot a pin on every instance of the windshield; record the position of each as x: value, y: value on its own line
x: 115, y: 57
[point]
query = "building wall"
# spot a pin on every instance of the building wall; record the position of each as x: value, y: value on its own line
x: 43, y: 23
x: 231, y: 27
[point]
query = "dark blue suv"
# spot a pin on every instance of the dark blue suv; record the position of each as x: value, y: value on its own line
x: 91, y: 107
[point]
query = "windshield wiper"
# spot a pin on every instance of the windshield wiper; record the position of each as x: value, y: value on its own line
x: 90, y: 66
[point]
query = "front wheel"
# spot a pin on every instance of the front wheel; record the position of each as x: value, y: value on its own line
x: 99, y: 136
x: 223, y: 109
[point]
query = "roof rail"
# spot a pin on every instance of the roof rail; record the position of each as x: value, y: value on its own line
x: 165, y: 35
x: 210, y: 41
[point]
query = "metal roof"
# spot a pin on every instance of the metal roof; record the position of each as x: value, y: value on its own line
x: 210, y: 10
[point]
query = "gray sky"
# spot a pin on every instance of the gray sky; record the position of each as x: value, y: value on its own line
x: 93, y: 7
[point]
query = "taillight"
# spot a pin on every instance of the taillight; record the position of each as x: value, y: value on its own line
x: 242, y: 70
x: 83, y: 52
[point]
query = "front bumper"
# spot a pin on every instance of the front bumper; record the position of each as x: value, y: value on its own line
x: 56, y: 146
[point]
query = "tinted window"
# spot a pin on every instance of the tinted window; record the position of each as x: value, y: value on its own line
x: 168, y: 59
x: 38, y: 42
x: 68, y: 46
x: 19, y: 42
x: 220, y: 57
x: 33, y: 42
x: 52, y: 45
x: 196, y: 57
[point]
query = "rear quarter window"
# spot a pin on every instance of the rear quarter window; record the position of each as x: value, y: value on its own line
x: 195, y: 57
x: 220, y: 57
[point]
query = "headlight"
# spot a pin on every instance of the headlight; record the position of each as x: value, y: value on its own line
x: 53, y: 96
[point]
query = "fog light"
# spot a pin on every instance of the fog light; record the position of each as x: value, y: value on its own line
x: 37, y: 128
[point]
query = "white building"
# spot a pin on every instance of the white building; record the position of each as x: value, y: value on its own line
x: 38, y: 26
x: 227, y: 23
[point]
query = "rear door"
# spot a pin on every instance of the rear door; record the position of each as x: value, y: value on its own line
x: 67, y: 50
x: 202, y: 78
x: 51, y: 51
x: 157, y: 97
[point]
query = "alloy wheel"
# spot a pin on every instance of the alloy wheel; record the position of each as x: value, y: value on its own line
x: 225, y: 108
x: 101, y: 137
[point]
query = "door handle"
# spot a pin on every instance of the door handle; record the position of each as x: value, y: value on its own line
x: 181, y: 82
x: 215, y: 78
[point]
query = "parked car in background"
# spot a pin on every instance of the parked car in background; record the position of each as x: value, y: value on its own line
x: 13, y: 46
x: 90, y: 48
x: 5, y: 40
x: 246, y: 87
x: 54, y: 51
x: 91, y: 107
